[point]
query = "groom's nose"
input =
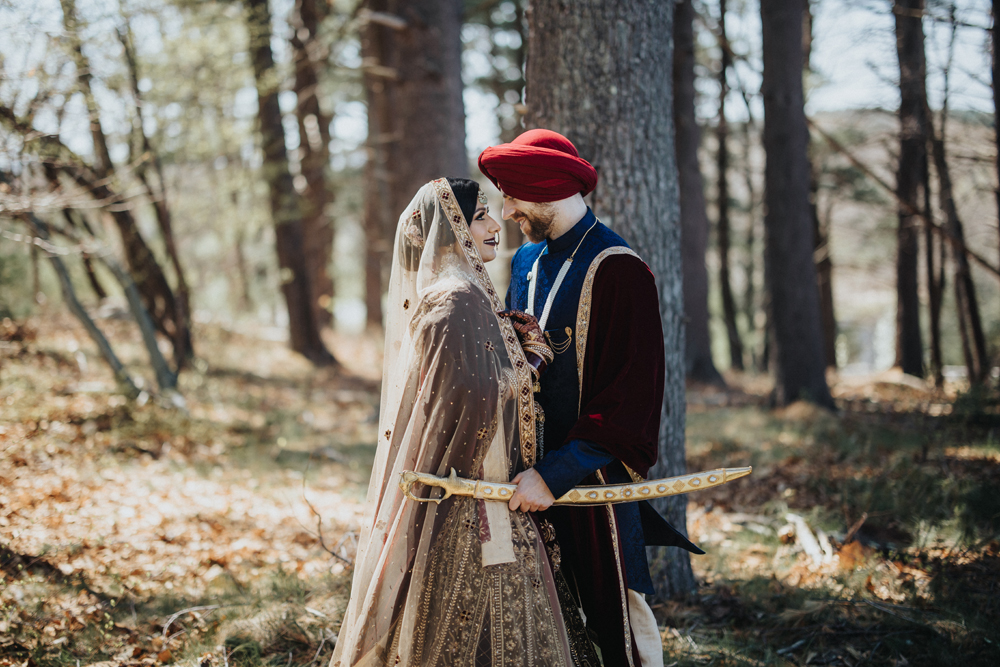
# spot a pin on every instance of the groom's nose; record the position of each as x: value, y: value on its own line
x: 508, y: 208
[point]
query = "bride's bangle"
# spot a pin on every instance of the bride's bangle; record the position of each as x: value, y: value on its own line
x: 536, y: 363
x: 540, y: 349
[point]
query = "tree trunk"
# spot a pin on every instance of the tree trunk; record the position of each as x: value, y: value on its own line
x: 793, y: 316
x: 314, y: 155
x: 412, y: 60
x: 513, y: 237
x: 824, y: 274
x: 122, y: 378
x: 166, y: 379
x: 602, y: 85
x: 286, y: 213
x: 148, y: 276
x: 966, y: 305
x: 430, y: 112
x: 722, y: 200
x: 698, y: 364
x: 935, y: 280
x: 750, y: 306
x: 246, y: 302
x: 821, y: 228
x: 380, y: 74
x: 995, y: 43
x: 182, y: 339
x: 910, y: 180
x: 88, y: 263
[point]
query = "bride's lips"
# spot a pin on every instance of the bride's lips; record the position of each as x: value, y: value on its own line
x: 493, y: 240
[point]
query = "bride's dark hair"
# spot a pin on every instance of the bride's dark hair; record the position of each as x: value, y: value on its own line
x: 467, y: 194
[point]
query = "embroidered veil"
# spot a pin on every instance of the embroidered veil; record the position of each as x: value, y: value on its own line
x: 463, y: 582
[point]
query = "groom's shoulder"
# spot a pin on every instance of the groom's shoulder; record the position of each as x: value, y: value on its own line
x: 625, y: 265
x: 606, y: 238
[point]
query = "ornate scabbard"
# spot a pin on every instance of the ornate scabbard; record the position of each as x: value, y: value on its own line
x: 453, y: 485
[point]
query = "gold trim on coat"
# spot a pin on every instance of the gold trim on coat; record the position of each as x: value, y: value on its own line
x: 582, y: 329
x: 525, y: 397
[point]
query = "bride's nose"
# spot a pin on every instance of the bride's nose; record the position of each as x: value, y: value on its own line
x: 494, y: 226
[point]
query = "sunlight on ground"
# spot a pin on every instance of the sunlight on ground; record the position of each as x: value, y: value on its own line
x: 146, y: 535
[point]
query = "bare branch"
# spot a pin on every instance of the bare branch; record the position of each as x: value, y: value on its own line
x: 945, y: 234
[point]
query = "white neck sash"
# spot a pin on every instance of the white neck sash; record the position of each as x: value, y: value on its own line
x: 533, y: 281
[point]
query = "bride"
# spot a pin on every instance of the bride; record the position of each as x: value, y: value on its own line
x: 463, y: 582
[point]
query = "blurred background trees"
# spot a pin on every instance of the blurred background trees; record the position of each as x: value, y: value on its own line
x: 247, y: 162
x: 244, y: 163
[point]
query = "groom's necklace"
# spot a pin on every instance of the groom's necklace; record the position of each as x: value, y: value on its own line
x: 533, y: 281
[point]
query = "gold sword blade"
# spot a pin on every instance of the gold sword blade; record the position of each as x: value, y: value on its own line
x: 453, y: 485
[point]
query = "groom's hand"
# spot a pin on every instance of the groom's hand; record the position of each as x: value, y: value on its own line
x: 532, y: 493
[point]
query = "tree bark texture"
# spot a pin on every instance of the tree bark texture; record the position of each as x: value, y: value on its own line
x: 595, y: 73
x: 286, y: 213
x: 698, y: 363
x: 911, y: 179
x: 995, y: 43
x: 722, y: 203
x: 750, y: 305
x: 412, y: 60
x: 314, y: 154
x: 379, y: 75
x: 793, y: 304
x: 967, y: 307
x: 824, y: 274
x: 431, y: 113
x: 821, y: 228
x: 157, y: 294
x: 933, y: 245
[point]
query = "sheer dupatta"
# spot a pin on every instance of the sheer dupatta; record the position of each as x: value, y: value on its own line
x: 462, y: 582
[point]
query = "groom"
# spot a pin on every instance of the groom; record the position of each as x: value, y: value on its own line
x: 598, y: 308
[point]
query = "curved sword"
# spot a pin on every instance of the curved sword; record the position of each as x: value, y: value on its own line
x: 454, y: 485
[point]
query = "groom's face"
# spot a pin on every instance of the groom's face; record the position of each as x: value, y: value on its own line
x: 534, y: 219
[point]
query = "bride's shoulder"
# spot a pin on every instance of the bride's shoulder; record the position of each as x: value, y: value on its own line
x: 447, y: 299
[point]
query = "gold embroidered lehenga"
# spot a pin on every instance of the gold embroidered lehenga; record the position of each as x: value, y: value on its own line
x: 464, y: 582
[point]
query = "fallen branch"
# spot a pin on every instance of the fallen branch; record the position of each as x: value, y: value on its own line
x: 805, y: 538
x: 319, y: 532
x: 176, y: 615
x: 319, y: 521
x: 855, y: 528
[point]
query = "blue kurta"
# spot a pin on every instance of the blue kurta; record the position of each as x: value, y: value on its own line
x: 565, y: 463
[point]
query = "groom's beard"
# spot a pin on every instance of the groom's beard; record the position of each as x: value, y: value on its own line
x: 538, y: 223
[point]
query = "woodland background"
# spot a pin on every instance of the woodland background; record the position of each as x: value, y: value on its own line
x: 197, y: 201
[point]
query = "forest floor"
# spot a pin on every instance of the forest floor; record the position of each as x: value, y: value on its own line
x: 222, y: 533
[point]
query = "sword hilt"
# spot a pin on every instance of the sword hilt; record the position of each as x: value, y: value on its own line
x: 452, y: 485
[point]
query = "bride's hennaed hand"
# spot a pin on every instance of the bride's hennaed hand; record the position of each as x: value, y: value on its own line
x: 525, y: 325
x: 532, y: 494
x: 529, y: 333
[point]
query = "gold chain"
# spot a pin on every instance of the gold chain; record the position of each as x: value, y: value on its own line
x: 559, y: 348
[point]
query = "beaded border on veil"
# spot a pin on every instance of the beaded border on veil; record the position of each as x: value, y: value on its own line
x: 525, y: 397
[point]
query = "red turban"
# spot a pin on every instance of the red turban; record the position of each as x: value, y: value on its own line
x: 538, y: 166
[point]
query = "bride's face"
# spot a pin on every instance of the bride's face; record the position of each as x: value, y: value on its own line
x: 486, y: 232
